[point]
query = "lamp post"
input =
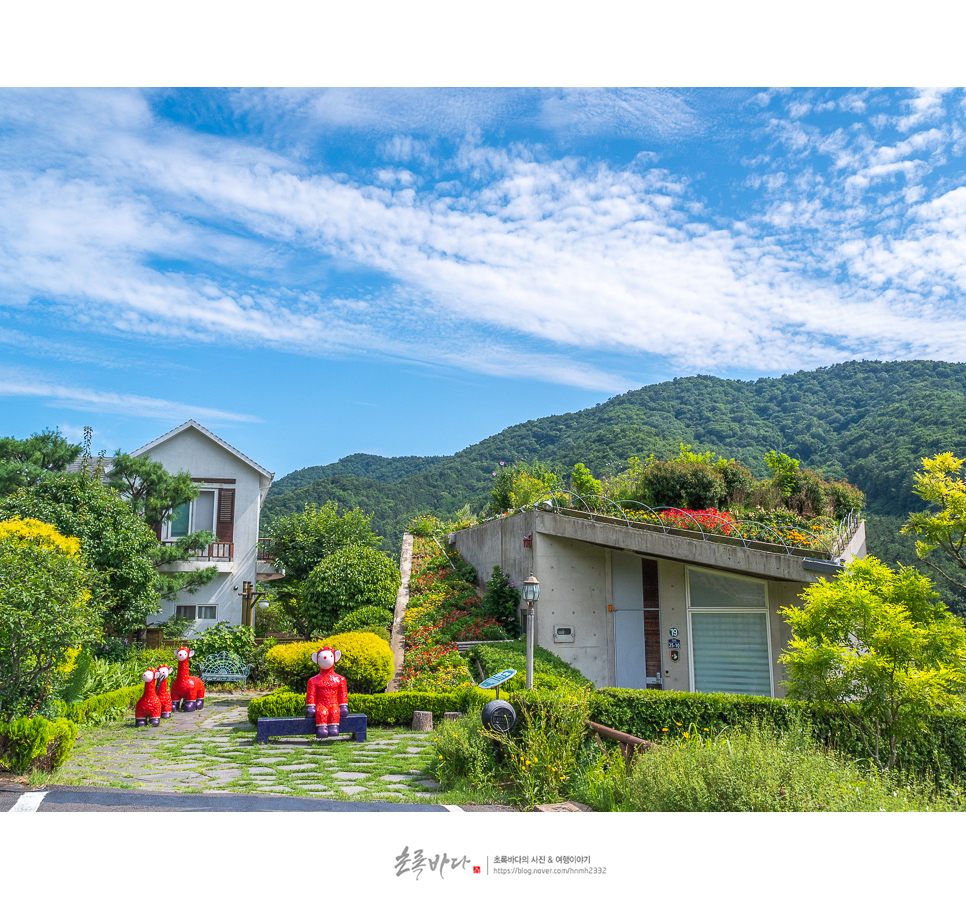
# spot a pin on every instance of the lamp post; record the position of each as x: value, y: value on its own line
x: 249, y: 595
x: 531, y: 591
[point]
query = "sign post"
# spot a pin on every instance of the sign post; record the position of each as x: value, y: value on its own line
x: 496, y: 680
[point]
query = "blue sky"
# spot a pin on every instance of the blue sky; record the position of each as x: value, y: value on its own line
x: 311, y: 273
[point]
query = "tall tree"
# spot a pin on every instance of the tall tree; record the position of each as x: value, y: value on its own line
x: 880, y: 646
x: 153, y: 493
x: 26, y: 462
x: 941, y: 483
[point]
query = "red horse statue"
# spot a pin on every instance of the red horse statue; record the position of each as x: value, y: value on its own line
x: 327, y: 696
x: 149, y: 706
x: 187, y: 692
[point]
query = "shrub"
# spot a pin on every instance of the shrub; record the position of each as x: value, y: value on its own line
x: 350, y: 578
x: 937, y: 753
x: 463, y: 755
x: 235, y: 640
x: 36, y: 743
x: 540, y: 753
x: 755, y: 769
x: 45, y: 610
x: 495, y: 658
x: 501, y: 601
x: 105, y: 706
x: 364, y: 616
x: 379, y: 708
x: 366, y: 662
x: 291, y: 664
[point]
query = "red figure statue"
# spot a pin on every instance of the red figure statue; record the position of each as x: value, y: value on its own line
x: 149, y: 706
x: 164, y: 694
x: 327, y: 697
x: 187, y: 690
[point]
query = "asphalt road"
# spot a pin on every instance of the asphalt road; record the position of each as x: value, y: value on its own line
x: 92, y: 799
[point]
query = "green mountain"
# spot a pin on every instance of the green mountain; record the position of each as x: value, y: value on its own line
x: 866, y: 421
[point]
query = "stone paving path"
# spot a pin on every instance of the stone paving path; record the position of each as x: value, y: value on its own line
x: 215, y: 751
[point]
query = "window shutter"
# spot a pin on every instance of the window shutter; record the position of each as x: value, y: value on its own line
x: 225, y: 529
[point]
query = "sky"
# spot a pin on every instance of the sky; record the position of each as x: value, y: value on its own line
x: 312, y: 273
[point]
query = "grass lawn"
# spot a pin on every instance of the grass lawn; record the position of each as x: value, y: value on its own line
x: 215, y: 751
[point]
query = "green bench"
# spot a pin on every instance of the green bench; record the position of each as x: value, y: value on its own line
x: 223, y: 668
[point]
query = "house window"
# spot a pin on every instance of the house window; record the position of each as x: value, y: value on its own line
x: 201, y: 612
x: 730, y: 641
x: 198, y: 514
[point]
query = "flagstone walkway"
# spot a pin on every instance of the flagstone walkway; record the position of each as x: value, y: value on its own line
x: 215, y: 751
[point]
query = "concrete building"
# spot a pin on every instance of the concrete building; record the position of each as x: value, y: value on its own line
x: 635, y: 605
x: 232, y: 488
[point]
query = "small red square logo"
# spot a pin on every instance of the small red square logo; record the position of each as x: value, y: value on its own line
x: 476, y: 870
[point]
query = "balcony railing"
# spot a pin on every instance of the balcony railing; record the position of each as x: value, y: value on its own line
x: 214, y: 552
x: 265, y: 549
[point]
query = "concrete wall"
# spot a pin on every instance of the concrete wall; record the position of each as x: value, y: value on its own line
x: 193, y: 452
x: 576, y: 589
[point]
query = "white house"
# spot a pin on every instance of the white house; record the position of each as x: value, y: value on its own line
x: 634, y: 605
x: 232, y: 488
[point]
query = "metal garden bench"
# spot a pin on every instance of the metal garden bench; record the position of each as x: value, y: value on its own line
x: 224, y: 667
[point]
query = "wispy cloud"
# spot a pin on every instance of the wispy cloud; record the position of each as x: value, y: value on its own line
x: 512, y: 259
x: 14, y: 383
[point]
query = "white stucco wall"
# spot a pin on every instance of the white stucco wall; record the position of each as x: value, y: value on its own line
x: 193, y: 452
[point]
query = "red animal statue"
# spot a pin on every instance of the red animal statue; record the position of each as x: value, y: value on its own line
x: 187, y: 692
x: 164, y: 694
x: 327, y: 696
x: 149, y: 706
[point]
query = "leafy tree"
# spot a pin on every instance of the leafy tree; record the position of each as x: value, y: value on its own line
x: 302, y: 540
x: 501, y: 600
x: 941, y: 483
x: 522, y: 484
x: 352, y: 577
x: 153, y: 493
x: 877, y: 644
x: 45, y: 609
x: 26, y: 462
x: 115, y: 543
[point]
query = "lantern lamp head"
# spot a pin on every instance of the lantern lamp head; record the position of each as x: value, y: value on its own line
x: 531, y: 589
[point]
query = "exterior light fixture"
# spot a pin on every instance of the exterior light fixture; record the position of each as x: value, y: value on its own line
x: 531, y: 591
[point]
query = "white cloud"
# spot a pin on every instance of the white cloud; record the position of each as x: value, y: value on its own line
x: 515, y: 252
x: 19, y: 384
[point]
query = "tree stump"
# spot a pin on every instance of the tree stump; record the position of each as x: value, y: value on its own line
x: 422, y: 721
x: 452, y: 716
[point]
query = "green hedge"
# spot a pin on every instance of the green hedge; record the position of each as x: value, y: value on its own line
x: 379, y: 708
x: 36, y: 743
x: 98, y: 707
x: 940, y: 750
x: 501, y: 655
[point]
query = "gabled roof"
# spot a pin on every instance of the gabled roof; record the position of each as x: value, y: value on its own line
x: 191, y: 423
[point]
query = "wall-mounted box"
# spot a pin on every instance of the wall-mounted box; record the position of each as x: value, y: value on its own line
x: 563, y: 634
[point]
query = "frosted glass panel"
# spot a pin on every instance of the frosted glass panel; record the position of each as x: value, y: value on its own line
x: 730, y: 652
x: 204, y: 511
x: 712, y: 589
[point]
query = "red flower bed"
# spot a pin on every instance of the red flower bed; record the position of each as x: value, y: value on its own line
x: 709, y: 519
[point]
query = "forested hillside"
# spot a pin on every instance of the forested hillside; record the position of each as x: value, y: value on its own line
x: 866, y: 421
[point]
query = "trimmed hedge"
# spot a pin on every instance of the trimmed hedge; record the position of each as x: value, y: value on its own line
x: 379, y: 708
x: 97, y: 707
x: 939, y: 751
x: 36, y: 743
x: 495, y: 658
